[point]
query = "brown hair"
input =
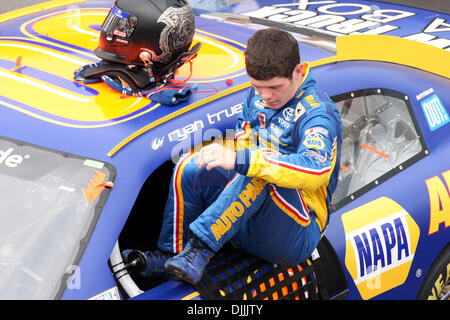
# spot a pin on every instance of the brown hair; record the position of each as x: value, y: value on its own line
x: 271, y: 53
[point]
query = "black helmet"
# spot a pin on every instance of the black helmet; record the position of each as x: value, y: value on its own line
x: 143, y: 32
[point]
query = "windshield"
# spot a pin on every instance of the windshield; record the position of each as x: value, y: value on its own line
x: 48, y: 209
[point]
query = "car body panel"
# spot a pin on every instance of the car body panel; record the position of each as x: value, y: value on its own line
x: 43, y: 45
x: 393, y: 19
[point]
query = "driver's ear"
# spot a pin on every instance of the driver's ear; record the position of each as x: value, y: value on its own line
x: 298, y: 71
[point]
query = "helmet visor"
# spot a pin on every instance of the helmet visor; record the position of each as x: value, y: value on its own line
x: 119, y: 23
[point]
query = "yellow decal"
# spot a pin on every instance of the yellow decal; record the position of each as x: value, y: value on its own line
x: 61, y: 101
x: 236, y: 209
x: 314, y: 142
x: 381, y: 240
x: 380, y: 48
x: 63, y: 41
x: 312, y: 101
x: 439, y: 202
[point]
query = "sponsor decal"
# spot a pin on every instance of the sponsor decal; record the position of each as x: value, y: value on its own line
x: 157, y: 143
x: 237, y: 208
x: 185, y: 132
x: 435, y: 112
x: 262, y: 120
x: 299, y: 111
x: 344, y: 18
x: 10, y: 159
x: 439, y: 202
x: 119, y: 13
x: 288, y: 114
x: 312, y: 101
x: 224, y: 114
x: 425, y: 93
x: 284, y: 123
x: 381, y: 240
x: 182, y: 133
x: 277, y: 131
x: 319, y: 156
x: 317, y: 130
x: 314, y: 141
x: 260, y: 104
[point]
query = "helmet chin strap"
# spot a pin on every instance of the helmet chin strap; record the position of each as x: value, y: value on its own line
x: 168, y: 72
x: 136, y: 77
x: 146, y: 58
x: 139, y: 80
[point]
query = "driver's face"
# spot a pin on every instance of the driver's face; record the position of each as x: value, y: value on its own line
x: 277, y: 91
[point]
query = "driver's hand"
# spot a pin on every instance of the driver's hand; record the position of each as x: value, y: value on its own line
x: 216, y: 155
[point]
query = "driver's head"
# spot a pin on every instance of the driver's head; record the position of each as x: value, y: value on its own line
x: 273, y: 64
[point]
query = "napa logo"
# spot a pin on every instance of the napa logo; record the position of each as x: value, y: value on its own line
x: 381, y: 240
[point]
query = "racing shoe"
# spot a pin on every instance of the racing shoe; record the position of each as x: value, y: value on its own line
x: 190, y: 263
x: 154, y: 264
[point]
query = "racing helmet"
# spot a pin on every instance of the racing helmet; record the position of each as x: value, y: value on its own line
x: 146, y: 32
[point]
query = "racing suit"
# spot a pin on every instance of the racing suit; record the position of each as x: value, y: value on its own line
x: 275, y: 204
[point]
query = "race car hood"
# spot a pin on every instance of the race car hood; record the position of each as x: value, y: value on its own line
x: 42, y: 46
x: 41, y: 50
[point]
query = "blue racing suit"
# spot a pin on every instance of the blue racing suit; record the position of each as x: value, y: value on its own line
x: 275, y: 204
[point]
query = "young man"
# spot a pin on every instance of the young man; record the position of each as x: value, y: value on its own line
x: 271, y: 193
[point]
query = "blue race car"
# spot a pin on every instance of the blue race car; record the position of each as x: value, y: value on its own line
x: 85, y: 171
